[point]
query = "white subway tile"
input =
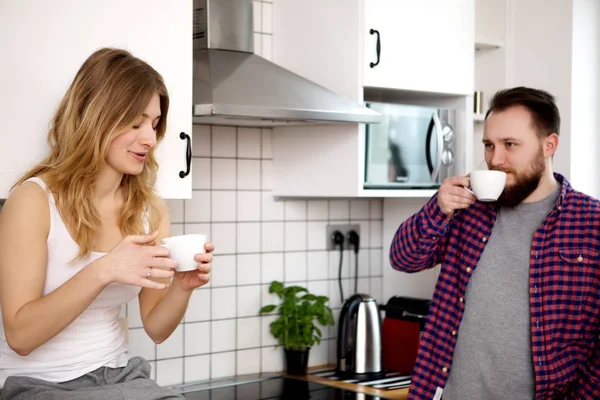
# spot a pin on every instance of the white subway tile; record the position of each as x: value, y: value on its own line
x: 295, y: 210
x: 223, y: 335
x: 267, y: 338
x: 267, y: 18
x: 332, y: 331
x: 272, y: 210
x: 317, y: 235
x: 376, y: 209
x: 365, y: 236
x: 318, y: 288
x: 248, y: 269
x: 248, y: 333
x: 201, y: 141
x: 223, y: 365
x: 268, y: 298
x: 317, y: 210
x: 141, y: 345
x: 224, y: 206
x: 364, y: 285
x: 175, y: 210
x: 257, y: 14
x: 339, y: 210
x: 272, y: 236
x: 271, y: 267
x: 376, y: 234
x: 334, y: 292
x: 377, y: 290
x: 177, y: 229
x: 248, y: 362
x: 295, y: 236
x: 364, y: 261
x: 197, y: 368
x: 223, y: 270
x: 197, y: 209
x: 201, y: 173
x: 134, y: 319
x: 249, y: 174
x: 334, y: 264
x: 319, y: 354
x: 197, y: 338
x: 359, y: 209
x: 318, y: 266
x: 272, y: 359
x: 223, y: 141
x: 223, y: 303
x: 267, y: 143
x: 173, y: 346
x: 377, y: 261
x: 248, y: 237
x: 267, y: 174
x: 152, y: 369
x: 169, y: 372
x: 248, y: 206
x: 295, y: 266
x: 248, y: 300
x: 198, y: 228
x: 223, y: 236
x: 224, y: 173
x: 249, y: 143
x: 199, y: 306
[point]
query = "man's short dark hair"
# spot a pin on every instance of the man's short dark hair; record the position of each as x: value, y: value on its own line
x: 540, y: 104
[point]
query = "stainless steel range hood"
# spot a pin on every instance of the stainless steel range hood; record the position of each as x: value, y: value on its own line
x: 233, y: 86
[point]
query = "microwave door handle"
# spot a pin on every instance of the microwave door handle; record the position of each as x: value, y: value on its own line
x: 440, y: 146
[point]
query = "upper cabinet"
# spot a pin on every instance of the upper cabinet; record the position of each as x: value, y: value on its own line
x: 424, y: 55
x: 424, y: 45
x: 49, y: 42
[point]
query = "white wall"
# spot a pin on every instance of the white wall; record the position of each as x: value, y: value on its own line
x: 539, y: 46
x: 585, y: 97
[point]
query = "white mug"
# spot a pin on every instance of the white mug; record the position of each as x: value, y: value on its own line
x: 487, y: 185
x: 183, y: 248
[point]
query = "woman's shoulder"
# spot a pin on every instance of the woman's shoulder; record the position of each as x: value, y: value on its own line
x: 27, y: 203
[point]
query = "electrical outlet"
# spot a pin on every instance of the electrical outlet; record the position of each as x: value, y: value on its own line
x: 344, y: 229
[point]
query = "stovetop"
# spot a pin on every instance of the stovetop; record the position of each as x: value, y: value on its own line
x: 278, y: 388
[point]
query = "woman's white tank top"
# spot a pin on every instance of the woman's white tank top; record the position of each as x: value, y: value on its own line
x: 93, y: 340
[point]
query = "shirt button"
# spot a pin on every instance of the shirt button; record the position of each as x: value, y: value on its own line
x: 537, y: 322
x: 461, y: 299
x: 453, y: 333
x: 535, y: 289
x: 468, y: 269
x: 444, y: 369
x: 580, y: 258
x: 484, y: 239
x: 537, y: 254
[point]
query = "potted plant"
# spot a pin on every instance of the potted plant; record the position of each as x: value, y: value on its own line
x: 295, y: 328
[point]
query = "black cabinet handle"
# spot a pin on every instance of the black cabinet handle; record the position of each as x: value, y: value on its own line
x: 373, y: 31
x: 188, y: 154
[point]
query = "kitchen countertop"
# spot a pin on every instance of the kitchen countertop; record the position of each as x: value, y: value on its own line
x: 398, y: 394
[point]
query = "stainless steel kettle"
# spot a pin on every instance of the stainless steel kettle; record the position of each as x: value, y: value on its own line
x: 359, y: 339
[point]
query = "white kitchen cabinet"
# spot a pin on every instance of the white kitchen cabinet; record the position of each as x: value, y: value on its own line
x: 43, y: 44
x: 424, y: 45
x: 329, y: 161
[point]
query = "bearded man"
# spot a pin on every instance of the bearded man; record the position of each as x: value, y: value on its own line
x: 515, y: 311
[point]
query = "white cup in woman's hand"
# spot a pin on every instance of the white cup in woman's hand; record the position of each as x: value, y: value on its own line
x: 183, y: 248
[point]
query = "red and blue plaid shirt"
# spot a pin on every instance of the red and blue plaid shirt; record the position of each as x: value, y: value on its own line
x: 564, y: 290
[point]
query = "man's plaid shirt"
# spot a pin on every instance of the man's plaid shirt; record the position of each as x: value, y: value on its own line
x: 564, y: 290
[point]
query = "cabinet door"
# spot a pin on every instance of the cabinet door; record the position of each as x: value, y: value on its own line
x: 43, y: 45
x: 425, y: 45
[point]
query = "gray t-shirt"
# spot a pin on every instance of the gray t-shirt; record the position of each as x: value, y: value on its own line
x: 492, y: 359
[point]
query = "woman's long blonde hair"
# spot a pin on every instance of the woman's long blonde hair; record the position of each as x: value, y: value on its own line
x: 108, y: 95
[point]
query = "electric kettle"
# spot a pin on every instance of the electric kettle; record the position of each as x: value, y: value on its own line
x: 359, y: 339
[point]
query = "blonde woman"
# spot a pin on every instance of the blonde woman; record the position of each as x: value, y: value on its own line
x: 78, y: 238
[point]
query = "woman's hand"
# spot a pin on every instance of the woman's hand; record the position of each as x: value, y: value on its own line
x: 132, y: 262
x: 190, y: 280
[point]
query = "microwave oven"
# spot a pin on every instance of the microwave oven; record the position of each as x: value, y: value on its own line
x: 412, y: 147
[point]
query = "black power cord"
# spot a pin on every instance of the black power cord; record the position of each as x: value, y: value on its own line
x: 354, y: 240
x: 338, y: 240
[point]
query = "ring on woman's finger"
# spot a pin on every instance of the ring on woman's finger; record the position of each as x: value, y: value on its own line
x: 149, y: 273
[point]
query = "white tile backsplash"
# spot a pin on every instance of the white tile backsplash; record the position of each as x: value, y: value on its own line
x: 258, y: 240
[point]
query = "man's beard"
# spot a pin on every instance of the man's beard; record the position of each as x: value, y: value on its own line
x: 525, y: 183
